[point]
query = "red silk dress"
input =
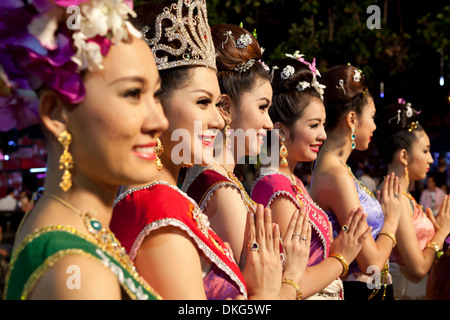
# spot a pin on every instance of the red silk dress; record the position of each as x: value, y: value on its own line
x: 140, y: 211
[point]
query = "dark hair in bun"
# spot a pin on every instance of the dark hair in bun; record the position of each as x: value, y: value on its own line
x: 288, y: 102
x: 238, y: 65
x: 345, y: 91
x: 397, y: 125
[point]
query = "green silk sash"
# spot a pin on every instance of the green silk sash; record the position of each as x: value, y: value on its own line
x: 46, y: 246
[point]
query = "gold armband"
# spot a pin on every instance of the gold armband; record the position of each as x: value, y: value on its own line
x: 296, y: 286
x: 342, y: 261
x: 390, y: 235
x: 435, y: 247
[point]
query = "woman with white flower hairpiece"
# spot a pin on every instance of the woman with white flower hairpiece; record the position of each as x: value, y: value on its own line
x: 101, y: 116
x: 246, y: 98
x: 405, y: 147
x: 350, y: 111
x: 298, y: 114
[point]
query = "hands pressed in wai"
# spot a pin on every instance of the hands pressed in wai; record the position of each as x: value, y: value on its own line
x: 296, y: 246
x: 263, y: 268
x: 442, y: 220
x: 352, y: 236
x: 389, y: 199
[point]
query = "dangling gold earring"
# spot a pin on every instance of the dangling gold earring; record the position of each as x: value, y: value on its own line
x: 158, y: 151
x: 283, y: 153
x: 407, y: 175
x: 227, y: 134
x: 353, y: 137
x: 65, y: 160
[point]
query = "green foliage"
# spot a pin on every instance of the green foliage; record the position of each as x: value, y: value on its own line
x: 335, y: 32
x: 435, y: 31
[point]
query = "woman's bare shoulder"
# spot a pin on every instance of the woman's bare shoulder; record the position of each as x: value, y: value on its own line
x: 77, y: 277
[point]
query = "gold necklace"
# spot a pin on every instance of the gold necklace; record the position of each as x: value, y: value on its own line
x: 91, y: 223
x: 410, y: 197
x: 297, y: 190
x: 107, y: 242
x: 104, y: 236
x: 360, y: 183
x: 250, y: 203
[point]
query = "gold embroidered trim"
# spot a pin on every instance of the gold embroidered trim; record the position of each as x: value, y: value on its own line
x: 60, y: 254
x: 49, y: 263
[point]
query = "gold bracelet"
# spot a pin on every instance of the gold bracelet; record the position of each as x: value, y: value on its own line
x: 342, y: 261
x: 390, y: 235
x: 435, y: 247
x: 296, y: 286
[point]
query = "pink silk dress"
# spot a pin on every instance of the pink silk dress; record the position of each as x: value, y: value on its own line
x: 403, y: 288
x: 272, y: 185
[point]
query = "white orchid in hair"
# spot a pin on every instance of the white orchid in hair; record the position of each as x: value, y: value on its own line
x: 103, y: 22
x: 296, y: 55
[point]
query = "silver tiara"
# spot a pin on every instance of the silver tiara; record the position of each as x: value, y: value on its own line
x: 188, y: 32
